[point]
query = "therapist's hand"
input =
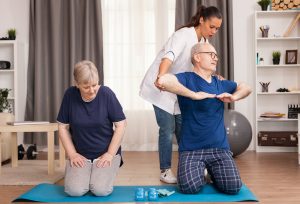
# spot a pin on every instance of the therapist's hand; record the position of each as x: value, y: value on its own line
x: 158, y: 85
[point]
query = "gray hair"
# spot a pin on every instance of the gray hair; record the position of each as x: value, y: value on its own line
x: 198, y: 47
x: 85, y: 72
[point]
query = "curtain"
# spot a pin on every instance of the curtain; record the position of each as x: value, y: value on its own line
x: 61, y: 34
x: 134, y: 32
x: 223, y: 41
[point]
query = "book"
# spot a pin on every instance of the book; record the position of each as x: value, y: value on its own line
x: 272, y: 115
x: 27, y: 122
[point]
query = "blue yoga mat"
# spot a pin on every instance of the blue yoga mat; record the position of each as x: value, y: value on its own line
x: 55, y: 193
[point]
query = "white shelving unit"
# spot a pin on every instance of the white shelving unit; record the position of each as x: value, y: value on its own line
x: 8, y: 77
x: 279, y: 76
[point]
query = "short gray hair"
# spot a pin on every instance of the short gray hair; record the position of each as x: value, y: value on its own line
x: 196, y: 49
x: 85, y: 72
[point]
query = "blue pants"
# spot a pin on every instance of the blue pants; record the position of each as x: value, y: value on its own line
x: 220, y: 165
x: 168, y: 125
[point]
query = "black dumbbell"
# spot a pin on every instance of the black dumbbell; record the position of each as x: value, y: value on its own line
x: 21, y: 152
x: 30, y: 153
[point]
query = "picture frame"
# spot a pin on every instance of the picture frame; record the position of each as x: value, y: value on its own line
x: 291, y: 56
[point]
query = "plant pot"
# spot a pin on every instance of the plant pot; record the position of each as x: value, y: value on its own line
x: 264, y: 7
x: 12, y: 37
x: 276, y: 61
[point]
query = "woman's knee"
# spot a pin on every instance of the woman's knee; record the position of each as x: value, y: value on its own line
x: 75, y: 191
x: 101, y: 190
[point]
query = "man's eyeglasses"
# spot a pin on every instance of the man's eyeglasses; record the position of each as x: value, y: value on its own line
x: 213, y: 55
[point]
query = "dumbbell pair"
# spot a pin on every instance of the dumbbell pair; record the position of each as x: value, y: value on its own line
x: 30, y: 153
x: 142, y: 195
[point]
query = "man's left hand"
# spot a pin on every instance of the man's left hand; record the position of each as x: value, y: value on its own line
x: 226, y: 97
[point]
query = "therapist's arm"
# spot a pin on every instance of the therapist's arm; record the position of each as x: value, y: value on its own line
x: 163, y: 69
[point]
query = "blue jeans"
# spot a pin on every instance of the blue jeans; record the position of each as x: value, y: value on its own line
x: 168, y: 125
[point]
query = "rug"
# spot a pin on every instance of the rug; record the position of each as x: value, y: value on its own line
x: 29, y: 172
x: 55, y: 193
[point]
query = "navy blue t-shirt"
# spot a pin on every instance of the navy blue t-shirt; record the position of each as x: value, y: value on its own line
x: 91, y: 123
x: 203, y: 120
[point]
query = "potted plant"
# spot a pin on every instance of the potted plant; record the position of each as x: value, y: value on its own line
x: 11, y: 34
x: 5, y: 106
x: 264, y: 4
x: 276, y: 57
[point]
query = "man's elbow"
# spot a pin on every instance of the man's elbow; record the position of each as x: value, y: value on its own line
x: 246, y: 88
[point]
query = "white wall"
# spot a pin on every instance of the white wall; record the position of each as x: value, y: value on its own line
x: 244, y: 55
x: 15, y: 14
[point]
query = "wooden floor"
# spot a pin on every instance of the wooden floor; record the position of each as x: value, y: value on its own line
x: 273, y: 177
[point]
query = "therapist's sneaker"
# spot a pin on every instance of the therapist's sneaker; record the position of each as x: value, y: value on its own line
x: 167, y: 176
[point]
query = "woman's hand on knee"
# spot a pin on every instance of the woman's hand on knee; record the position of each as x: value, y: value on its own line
x: 77, y: 160
x: 105, y: 160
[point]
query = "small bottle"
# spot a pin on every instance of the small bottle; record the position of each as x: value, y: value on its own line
x: 261, y: 61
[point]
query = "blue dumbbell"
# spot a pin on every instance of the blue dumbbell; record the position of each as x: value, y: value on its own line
x: 139, y: 194
x: 152, y: 194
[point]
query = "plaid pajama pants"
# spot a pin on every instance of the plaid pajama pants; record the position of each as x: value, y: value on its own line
x: 220, y: 165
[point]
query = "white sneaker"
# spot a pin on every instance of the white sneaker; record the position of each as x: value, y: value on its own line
x: 168, y: 177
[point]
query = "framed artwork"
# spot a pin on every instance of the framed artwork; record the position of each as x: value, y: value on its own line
x: 291, y: 56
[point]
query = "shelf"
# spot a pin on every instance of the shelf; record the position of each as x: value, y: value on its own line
x: 7, y: 42
x: 276, y: 120
x: 7, y: 70
x: 11, y: 98
x: 281, y: 75
x: 279, y: 66
x: 278, y: 93
x: 279, y: 12
x: 278, y: 38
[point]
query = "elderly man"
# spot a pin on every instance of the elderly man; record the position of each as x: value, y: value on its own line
x: 203, y: 143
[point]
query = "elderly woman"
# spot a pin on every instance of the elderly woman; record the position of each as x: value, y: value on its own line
x: 86, y: 118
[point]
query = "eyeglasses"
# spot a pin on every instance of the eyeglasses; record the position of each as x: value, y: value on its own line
x: 213, y: 55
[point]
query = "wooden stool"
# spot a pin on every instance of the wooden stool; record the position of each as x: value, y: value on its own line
x: 49, y: 128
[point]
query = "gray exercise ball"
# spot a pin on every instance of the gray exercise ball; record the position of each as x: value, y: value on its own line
x: 238, y: 130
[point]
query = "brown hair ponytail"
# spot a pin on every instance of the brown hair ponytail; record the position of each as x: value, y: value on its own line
x: 205, y: 13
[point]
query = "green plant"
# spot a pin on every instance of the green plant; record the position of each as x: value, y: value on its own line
x: 11, y: 33
x: 276, y: 54
x: 4, y: 103
x: 264, y: 4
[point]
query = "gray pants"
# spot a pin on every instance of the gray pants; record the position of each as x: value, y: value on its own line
x: 99, y: 181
